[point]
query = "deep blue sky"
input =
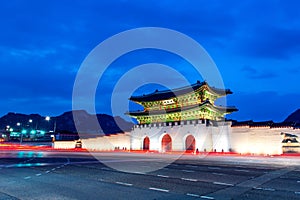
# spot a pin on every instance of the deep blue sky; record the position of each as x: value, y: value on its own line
x: 255, y: 44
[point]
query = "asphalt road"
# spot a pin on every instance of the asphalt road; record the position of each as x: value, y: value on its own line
x: 69, y: 175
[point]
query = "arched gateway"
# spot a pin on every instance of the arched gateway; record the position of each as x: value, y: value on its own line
x: 146, y: 144
x: 166, y: 143
x: 190, y: 143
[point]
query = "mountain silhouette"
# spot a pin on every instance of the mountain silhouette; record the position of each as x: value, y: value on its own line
x: 294, y: 117
x: 65, y: 122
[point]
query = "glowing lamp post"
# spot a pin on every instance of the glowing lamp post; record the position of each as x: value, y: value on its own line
x: 30, y: 122
x: 54, y: 125
x: 21, y: 136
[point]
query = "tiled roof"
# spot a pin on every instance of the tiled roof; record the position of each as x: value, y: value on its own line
x: 167, y: 94
x: 270, y: 124
x: 251, y: 123
x: 206, y: 103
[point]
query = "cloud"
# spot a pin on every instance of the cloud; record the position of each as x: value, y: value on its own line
x: 262, y: 106
x: 254, y: 73
x: 274, y: 42
x: 29, y: 54
x: 40, y: 105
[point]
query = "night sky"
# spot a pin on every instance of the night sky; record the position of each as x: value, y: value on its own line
x: 255, y: 44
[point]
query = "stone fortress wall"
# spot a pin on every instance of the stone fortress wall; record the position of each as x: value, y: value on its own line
x: 208, y: 137
x: 267, y: 140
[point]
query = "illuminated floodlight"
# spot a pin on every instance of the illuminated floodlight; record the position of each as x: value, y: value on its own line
x: 24, y: 131
x: 30, y: 120
x: 18, y: 124
x: 33, y: 132
x: 42, y: 132
x: 11, y: 129
x: 47, y: 118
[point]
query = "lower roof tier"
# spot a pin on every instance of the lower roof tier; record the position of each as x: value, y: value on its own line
x: 203, y: 111
x: 198, y: 107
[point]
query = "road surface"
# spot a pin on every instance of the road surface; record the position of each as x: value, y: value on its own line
x: 78, y: 175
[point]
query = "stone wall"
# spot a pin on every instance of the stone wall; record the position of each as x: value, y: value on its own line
x: 207, y: 137
x: 107, y: 143
x: 259, y: 140
x: 64, y: 144
x: 217, y: 137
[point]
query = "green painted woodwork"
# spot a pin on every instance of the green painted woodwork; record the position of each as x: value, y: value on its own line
x: 197, y: 97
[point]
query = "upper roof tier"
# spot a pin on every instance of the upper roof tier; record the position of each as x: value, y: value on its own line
x: 167, y: 94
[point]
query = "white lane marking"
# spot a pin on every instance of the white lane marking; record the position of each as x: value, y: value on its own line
x: 297, y: 192
x: 189, y: 171
x: 193, y: 166
x: 265, y: 189
x: 213, y: 167
x: 221, y: 183
x: 298, y: 181
x: 189, y: 179
x: 38, y: 174
x: 47, y: 172
x: 269, y: 189
x: 122, y: 183
x: 158, y: 189
x: 206, y: 197
x: 241, y: 170
x: 52, y: 169
x: 58, y: 167
x: 143, y: 173
x: 219, y: 174
x: 192, y: 195
x: 27, y: 177
x: 159, y: 175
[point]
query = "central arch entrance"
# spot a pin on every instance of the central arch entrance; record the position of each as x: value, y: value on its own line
x: 146, y: 144
x: 166, y: 143
x: 190, y: 143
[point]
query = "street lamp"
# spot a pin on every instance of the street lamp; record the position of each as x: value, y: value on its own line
x: 30, y: 122
x: 21, y: 137
x: 54, y: 125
